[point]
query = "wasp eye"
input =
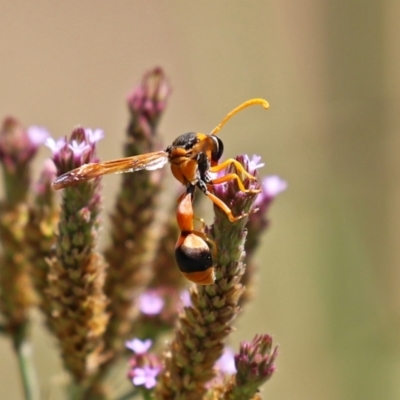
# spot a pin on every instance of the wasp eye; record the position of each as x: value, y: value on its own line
x: 219, y: 148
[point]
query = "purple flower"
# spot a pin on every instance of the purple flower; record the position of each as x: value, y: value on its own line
x: 55, y: 146
x: 185, y: 297
x: 233, y: 196
x: 138, y: 346
x: 147, y: 101
x: 37, y: 135
x: 145, y: 376
x: 226, y: 363
x: 271, y: 186
x: 75, y: 151
x: 17, y: 144
x: 253, y: 164
x: 47, y: 175
x: 255, y: 360
x: 79, y: 148
x: 93, y: 136
x: 151, y: 95
x: 150, y: 303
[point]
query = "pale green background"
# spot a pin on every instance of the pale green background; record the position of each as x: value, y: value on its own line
x: 328, y: 287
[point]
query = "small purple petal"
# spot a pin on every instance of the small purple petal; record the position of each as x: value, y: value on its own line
x: 95, y: 135
x: 139, y: 379
x: 254, y: 164
x: 273, y: 185
x: 48, y: 174
x: 55, y: 146
x: 145, y: 376
x: 138, y: 346
x: 49, y: 168
x: 226, y: 363
x: 37, y: 135
x: 185, y: 297
x: 78, y: 148
x: 150, y: 303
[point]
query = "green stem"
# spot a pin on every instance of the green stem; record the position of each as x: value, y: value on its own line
x: 16, y: 185
x: 128, y: 395
x: 24, y: 355
x: 147, y: 395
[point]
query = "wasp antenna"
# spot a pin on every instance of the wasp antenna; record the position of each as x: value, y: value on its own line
x: 248, y: 103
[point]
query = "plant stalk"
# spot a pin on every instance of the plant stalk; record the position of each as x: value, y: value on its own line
x: 23, y: 351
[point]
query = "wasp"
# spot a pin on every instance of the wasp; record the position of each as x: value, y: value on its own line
x: 194, y: 251
x: 193, y: 158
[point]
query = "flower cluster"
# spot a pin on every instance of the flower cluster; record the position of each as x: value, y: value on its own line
x: 270, y: 187
x: 148, y: 101
x: 77, y: 264
x: 78, y: 150
x: 133, y: 238
x: 143, y: 366
x: 95, y: 301
x: 254, y: 364
x: 18, y: 146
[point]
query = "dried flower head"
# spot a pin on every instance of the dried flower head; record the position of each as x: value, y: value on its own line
x: 148, y: 101
x: 41, y: 229
x: 255, y: 362
x: 132, y: 239
x: 254, y: 365
x: 203, y: 327
x: 77, y: 272
x: 18, y: 146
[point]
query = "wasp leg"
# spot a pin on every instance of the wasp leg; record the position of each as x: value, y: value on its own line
x: 232, y: 176
x: 219, y: 203
x: 225, y: 164
x: 201, y: 221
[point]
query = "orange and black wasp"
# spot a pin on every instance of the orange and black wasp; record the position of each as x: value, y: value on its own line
x: 193, y: 157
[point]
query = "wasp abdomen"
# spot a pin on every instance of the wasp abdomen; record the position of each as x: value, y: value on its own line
x: 194, y: 259
x: 193, y: 255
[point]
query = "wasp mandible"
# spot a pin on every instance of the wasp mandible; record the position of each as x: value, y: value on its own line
x: 193, y: 157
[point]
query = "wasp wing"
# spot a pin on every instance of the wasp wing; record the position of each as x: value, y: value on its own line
x: 149, y: 161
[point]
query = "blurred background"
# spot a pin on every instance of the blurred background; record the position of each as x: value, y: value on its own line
x: 328, y: 287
